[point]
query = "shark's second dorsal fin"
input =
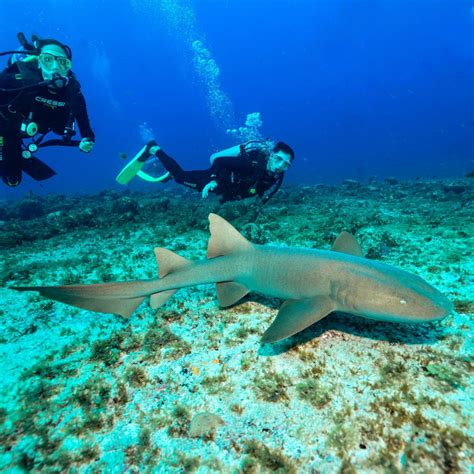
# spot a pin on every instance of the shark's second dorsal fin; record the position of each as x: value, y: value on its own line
x: 168, y: 261
x: 346, y: 243
x: 225, y: 238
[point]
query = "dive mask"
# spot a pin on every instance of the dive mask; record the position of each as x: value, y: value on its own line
x: 279, y: 162
x: 49, y: 62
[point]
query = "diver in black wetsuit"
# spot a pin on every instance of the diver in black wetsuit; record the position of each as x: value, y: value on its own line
x: 244, y: 171
x: 38, y: 94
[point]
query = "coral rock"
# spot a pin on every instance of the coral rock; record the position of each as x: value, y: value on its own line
x: 204, y: 423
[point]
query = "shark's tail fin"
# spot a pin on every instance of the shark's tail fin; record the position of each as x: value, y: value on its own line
x: 224, y: 240
x: 168, y: 262
x: 117, y: 298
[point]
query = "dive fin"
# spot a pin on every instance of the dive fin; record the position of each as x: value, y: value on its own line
x: 229, y: 292
x: 224, y: 239
x: 135, y: 165
x: 37, y: 169
x: 296, y: 315
x: 346, y: 243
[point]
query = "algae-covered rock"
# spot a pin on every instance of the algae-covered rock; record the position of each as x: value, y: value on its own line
x: 204, y: 423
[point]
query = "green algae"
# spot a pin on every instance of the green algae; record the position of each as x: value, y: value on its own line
x: 181, y: 419
x: 452, y: 377
x: 158, y: 338
x: 464, y: 306
x: 314, y: 393
x: 272, y: 386
x: 271, y: 460
x: 136, y: 376
x: 215, y: 384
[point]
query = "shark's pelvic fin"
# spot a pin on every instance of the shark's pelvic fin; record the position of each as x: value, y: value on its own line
x: 158, y: 299
x: 229, y: 292
x: 168, y: 262
x: 224, y: 238
x: 87, y: 297
x: 296, y: 315
x: 346, y: 243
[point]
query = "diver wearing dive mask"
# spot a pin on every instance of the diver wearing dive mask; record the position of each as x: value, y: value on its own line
x: 54, y: 65
x: 39, y: 94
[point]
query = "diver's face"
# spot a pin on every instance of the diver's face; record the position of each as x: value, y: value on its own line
x: 279, y: 161
x: 53, y: 60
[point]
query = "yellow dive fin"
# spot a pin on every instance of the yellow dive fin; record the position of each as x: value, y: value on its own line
x: 134, y: 168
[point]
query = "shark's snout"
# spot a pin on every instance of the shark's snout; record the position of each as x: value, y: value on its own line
x: 439, y: 307
x: 424, y: 306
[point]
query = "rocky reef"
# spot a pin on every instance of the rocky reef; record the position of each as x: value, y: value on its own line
x: 189, y: 387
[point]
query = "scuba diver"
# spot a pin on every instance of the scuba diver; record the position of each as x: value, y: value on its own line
x: 248, y: 170
x: 39, y: 94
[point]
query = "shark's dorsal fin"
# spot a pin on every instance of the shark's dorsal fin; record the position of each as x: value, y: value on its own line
x: 346, y: 243
x: 296, y: 315
x: 225, y: 238
x: 168, y: 261
x: 229, y: 292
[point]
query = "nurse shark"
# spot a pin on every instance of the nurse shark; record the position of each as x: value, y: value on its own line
x: 313, y: 283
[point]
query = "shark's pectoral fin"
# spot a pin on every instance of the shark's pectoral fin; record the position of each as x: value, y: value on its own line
x: 346, y: 243
x: 296, y: 315
x: 229, y: 292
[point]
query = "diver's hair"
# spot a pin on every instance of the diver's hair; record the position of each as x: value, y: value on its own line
x: 40, y: 43
x: 280, y: 146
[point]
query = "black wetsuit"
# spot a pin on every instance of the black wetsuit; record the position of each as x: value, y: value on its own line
x: 237, y: 177
x: 50, y: 109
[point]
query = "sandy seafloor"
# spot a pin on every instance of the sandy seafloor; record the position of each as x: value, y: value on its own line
x: 87, y: 392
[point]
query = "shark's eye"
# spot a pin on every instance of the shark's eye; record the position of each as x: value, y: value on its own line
x: 403, y: 301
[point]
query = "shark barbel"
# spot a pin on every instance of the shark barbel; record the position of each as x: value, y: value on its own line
x: 313, y: 283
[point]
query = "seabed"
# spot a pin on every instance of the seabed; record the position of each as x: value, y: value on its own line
x: 189, y: 388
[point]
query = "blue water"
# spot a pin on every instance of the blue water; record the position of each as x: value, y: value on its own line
x: 357, y: 88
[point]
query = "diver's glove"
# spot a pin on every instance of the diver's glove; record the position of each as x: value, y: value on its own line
x: 86, y: 145
x: 209, y: 187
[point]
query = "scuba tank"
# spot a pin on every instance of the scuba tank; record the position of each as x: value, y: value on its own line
x: 23, y: 52
x: 26, y: 49
x: 236, y: 150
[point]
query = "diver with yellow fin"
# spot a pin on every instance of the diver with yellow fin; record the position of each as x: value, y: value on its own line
x: 39, y: 94
x: 135, y: 168
x: 248, y: 170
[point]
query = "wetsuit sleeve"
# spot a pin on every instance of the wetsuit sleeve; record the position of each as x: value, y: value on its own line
x: 8, y: 80
x: 275, y: 189
x: 79, y: 110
